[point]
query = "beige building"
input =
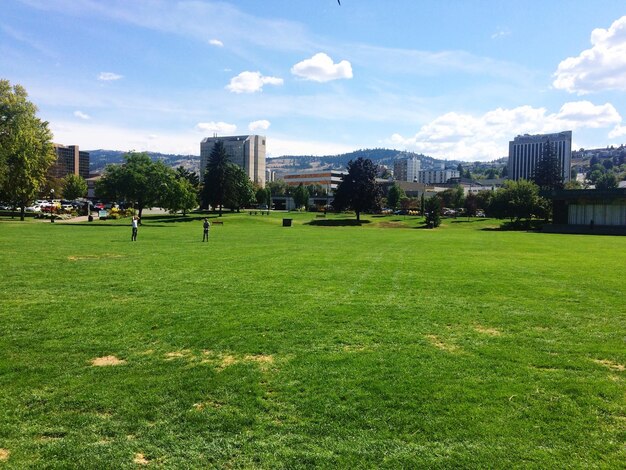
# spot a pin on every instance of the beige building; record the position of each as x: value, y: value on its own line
x: 328, y: 179
x: 246, y: 151
x: 70, y: 160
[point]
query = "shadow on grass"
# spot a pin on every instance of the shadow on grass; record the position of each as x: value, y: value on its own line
x: 168, y: 219
x: 517, y: 226
x: 338, y: 223
x: 470, y: 221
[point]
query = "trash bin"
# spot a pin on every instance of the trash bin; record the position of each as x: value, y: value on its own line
x: 287, y: 222
x: 90, y: 218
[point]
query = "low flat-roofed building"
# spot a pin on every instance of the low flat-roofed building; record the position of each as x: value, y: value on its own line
x: 328, y: 179
x: 589, y: 211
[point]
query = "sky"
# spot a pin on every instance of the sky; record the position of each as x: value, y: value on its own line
x: 452, y: 79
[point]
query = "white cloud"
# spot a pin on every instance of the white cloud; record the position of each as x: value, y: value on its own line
x: 216, y: 42
x: 618, y: 131
x: 80, y: 114
x: 464, y: 136
x: 216, y: 127
x: 251, y: 82
x: 261, y: 125
x: 320, y: 68
x: 109, y: 76
x: 500, y: 33
x: 603, y: 67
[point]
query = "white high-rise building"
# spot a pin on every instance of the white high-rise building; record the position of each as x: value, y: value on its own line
x: 406, y: 169
x: 246, y: 151
x: 436, y: 176
x: 525, y: 151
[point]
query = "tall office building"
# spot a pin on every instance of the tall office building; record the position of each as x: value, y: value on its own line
x: 70, y: 160
x: 246, y: 151
x: 525, y: 151
x: 406, y: 169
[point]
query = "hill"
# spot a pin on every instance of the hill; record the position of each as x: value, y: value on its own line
x: 291, y: 163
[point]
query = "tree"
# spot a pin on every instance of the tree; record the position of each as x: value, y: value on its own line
x: 74, y: 187
x: 433, y: 212
x: 191, y: 176
x: 216, y: 181
x: 260, y: 196
x: 301, y: 196
x: 180, y: 195
x: 548, y: 173
x: 607, y: 181
x: 395, y: 194
x: 138, y: 181
x: 278, y: 188
x: 239, y: 189
x: 471, y: 205
x: 517, y: 200
x: 26, y: 150
x: 358, y: 190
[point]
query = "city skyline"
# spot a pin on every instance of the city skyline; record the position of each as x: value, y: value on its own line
x: 452, y: 80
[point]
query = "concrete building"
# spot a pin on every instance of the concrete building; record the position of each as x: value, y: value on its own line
x: 328, y: 179
x: 436, y: 176
x: 70, y: 160
x: 246, y: 151
x: 406, y: 169
x: 525, y: 151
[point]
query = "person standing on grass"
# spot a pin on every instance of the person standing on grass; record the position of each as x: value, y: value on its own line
x: 206, y: 225
x: 135, y: 224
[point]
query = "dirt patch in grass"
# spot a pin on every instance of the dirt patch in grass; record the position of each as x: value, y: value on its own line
x: 141, y: 459
x: 4, y: 455
x: 227, y: 361
x: 207, y: 404
x: 488, y: 331
x: 184, y: 353
x: 105, y: 361
x: 93, y: 257
x: 610, y: 364
x: 391, y: 225
x: 439, y: 344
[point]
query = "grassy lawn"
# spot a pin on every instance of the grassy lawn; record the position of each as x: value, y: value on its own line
x: 379, y: 346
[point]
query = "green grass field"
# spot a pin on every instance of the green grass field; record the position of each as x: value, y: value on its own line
x: 380, y: 346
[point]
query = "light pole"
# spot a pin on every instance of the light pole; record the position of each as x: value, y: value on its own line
x: 52, y: 205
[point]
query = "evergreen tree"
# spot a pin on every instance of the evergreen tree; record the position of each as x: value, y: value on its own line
x: 394, y: 195
x: 216, y: 178
x: 433, y: 212
x: 548, y: 172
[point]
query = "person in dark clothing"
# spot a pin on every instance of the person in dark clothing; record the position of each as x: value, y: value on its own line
x: 206, y: 225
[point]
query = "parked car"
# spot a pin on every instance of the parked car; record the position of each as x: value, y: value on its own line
x: 33, y: 208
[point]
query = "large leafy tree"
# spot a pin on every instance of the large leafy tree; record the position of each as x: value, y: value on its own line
x: 517, y: 200
x: 358, y: 190
x: 239, y: 188
x: 138, y: 181
x: 26, y: 150
x: 607, y: 181
x: 74, y: 186
x: 548, y: 172
x: 179, y: 195
x: 216, y: 178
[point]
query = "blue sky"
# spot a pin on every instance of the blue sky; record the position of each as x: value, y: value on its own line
x: 453, y: 79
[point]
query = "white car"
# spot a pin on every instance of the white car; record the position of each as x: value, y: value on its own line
x: 33, y: 208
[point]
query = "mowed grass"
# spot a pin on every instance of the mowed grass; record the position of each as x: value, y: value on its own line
x: 379, y: 346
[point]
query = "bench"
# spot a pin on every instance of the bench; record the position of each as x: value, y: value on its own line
x: 322, y: 216
x: 217, y: 222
